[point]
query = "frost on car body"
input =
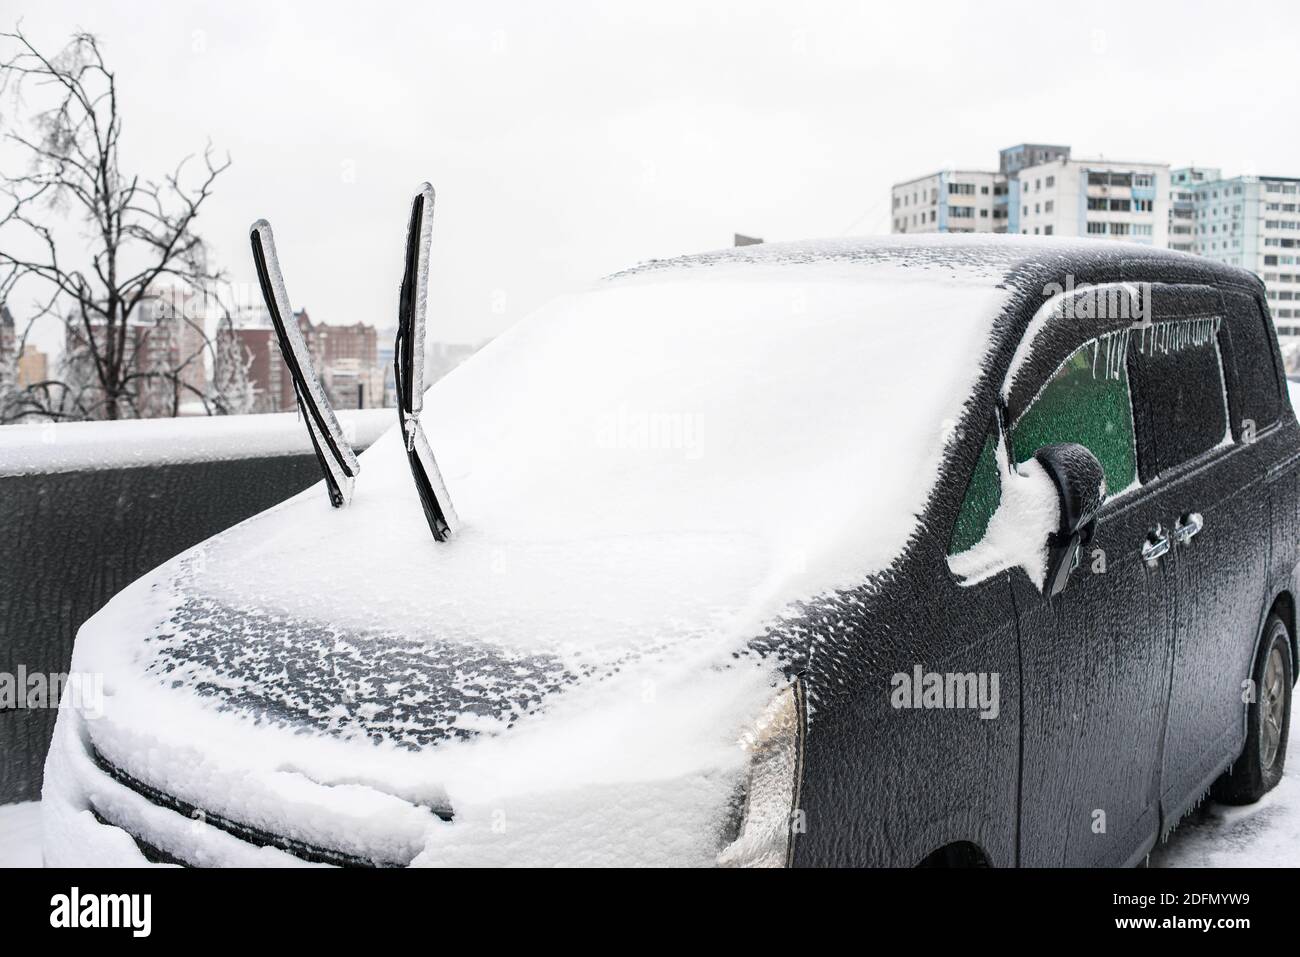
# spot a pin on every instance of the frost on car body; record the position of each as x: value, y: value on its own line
x: 678, y: 490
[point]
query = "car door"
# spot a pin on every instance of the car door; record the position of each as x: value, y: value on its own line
x: 1096, y: 657
x: 1219, y: 513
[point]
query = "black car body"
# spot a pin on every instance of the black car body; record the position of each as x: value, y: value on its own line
x: 1078, y: 711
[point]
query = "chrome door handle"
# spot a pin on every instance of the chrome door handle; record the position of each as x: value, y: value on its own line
x: 1156, y: 546
x: 1185, y: 528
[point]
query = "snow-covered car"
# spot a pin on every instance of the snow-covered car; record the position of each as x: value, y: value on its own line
x: 943, y: 550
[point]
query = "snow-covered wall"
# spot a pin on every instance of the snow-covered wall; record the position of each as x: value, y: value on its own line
x: 87, y: 446
x: 86, y: 508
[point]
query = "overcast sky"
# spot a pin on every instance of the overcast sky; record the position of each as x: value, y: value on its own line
x: 566, y: 140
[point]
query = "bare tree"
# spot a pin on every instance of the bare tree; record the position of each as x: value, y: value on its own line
x: 141, y: 245
x: 231, y: 392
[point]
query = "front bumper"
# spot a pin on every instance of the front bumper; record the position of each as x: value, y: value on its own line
x: 96, y: 815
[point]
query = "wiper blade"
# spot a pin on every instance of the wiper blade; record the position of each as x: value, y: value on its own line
x: 335, y: 455
x: 408, y: 369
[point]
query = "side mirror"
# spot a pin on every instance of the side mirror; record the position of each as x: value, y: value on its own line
x: 1081, y: 488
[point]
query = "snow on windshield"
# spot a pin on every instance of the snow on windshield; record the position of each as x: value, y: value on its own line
x: 653, y: 457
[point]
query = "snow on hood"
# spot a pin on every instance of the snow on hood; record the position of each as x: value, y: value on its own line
x: 647, y: 472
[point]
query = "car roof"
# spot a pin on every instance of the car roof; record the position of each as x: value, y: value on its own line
x: 1015, y: 260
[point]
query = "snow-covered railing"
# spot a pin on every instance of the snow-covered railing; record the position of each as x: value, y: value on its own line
x: 95, y: 446
x: 87, y: 507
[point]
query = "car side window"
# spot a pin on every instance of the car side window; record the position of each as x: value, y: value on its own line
x: 1181, y: 394
x: 983, y: 493
x: 1086, y: 401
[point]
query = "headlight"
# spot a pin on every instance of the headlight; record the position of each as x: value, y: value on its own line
x: 771, y: 815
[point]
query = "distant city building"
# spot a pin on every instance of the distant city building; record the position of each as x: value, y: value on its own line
x: 165, y: 354
x: 256, y: 341
x: 1254, y: 222
x: 950, y: 201
x: 33, y: 366
x: 385, y: 350
x: 1100, y: 199
x: 349, y: 360
x: 1182, y: 204
x: 349, y: 364
x: 1038, y: 189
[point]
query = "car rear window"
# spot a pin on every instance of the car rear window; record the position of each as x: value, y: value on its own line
x: 1247, y: 342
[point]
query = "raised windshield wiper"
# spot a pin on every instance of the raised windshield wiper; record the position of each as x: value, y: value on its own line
x: 335, y: 455
x: 408, y: 368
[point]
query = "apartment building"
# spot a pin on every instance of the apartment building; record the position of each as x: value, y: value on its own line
x: 1182, y: 204
x: 1098, y: 199
x: 949, y: 201
x: 1254, y: 222
x: 165, y: 357
x: 347, y: 358
x: 33, y: 366
x: 1039, y: 190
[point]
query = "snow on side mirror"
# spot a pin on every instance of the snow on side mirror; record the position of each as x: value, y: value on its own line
x: 336, y: 458
x: 1080, y: 484
x: 408, y: 369
x: 1026, y: 517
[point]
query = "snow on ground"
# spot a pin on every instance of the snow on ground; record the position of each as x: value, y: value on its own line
x: 1266, y: 834
x: 20, y: 834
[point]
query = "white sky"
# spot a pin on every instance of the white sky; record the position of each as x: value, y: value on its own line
x: 567, y: 140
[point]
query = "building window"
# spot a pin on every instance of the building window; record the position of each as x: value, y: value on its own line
x: 1049, y: 205
x: 1051, y: 181
x: 1096, y: 228
x: 1047, y: 230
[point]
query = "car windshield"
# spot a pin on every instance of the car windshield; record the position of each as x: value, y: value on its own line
x: 665, y: 455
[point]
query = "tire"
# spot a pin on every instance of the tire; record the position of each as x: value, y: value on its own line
x: 1259, y: 766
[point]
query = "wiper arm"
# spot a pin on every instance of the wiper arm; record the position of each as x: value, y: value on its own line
x: 335, y: 455
x: 408, y: 369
